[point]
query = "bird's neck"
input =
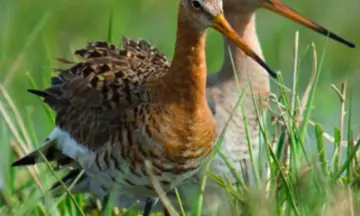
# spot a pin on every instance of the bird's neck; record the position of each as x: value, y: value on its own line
x: 187, y: 123
x: 247, y: 69
x: 186, y: 79
x: 245, y: 26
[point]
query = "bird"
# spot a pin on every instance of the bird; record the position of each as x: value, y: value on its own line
x: 223, y: 94
x: 118, y: 108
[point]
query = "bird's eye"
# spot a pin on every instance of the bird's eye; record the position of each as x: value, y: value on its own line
x: 196, y: 4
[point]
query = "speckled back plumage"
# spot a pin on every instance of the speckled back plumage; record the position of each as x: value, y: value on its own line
x: 114, y: 77
x: 110, y: 82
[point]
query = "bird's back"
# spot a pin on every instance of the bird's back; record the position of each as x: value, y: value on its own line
x: 105, y: 90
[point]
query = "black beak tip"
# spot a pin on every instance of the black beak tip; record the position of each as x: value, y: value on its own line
x: 352, y: 45
x: 340, y: 39
x: 348, y: 43
x: 271, y: 72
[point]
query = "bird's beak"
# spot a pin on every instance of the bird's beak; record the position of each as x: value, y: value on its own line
x: 278, y: 7
x: 221, y: 24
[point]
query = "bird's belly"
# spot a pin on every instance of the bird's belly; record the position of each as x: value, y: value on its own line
x: 122, y: 169
x: 128, y: 184
x: 238, y: 132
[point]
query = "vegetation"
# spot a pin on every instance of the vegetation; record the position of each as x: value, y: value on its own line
x: 310, y: 118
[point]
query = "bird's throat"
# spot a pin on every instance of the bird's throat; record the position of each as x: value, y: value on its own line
x: 186, y: 79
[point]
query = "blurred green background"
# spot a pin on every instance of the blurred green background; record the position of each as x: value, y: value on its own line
x: 33, y: 32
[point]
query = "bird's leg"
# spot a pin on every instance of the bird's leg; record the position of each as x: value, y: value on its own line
x: 104, y: 204
x: 166, y: 212
x: 148, y: 205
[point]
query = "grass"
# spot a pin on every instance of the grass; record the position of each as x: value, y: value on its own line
x: 310, y: 171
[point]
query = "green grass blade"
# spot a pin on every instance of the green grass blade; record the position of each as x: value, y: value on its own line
x: 321, y: 149
x: 347, y: 162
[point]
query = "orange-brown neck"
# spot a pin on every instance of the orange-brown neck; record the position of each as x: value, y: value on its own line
x: 186, y: 79
x: 186, y: 123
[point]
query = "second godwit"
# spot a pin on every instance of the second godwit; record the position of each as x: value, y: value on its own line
x: 118, y: 108
x: 223, y: 93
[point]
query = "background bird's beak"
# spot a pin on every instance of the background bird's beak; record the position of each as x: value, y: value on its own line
x: 280, y: 8
x: 221, y: 24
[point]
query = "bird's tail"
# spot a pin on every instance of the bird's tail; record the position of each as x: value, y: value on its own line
x: 49, y: 151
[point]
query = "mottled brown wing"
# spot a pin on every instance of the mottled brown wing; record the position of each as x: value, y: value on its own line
x: 105, y: 88
x: 108, y: 77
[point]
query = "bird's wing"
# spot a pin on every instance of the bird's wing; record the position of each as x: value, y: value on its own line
x: 106, y: 77
x: 97, y: 95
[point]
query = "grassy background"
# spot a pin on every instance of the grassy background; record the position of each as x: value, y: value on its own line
x: 32, y: 33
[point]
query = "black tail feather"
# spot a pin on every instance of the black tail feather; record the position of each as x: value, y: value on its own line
x: 38, y: 92
x: 24, y: 161
x: 49, y: 150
